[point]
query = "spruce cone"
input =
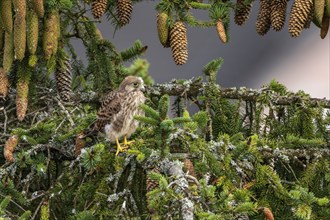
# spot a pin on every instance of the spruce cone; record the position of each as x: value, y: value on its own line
x: 327, y: 7
x: 325, y: 26
x: 152, y: 184
x: 319, y: 6
x: 178, y: 42
x: 263, y: 20
x: 20, y: 8
x: 162, y: 28
x: 8, y: 55
x: 221, y: 31
x: 98, y: 34
x: 4, y: 83
x: 124, y: 11
x: 80, y: 144
x: 2, y: 34
x: 9, y: 148
x: 32, y: 31
x: 242, y: 12
x: 7, y: 15
x: 189, y: 166
x: 64, y: 80
x: 98, y: 8
x: 300, y: 11
x: 19, y: 37
x: 268, y: 213
x: 278, y: 14
x: 38, y: 6
x: 51, y: 34
x: 22, y: 91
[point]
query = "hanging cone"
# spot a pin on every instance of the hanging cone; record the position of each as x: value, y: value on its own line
x: 64, y: 79
x: 242, y: 12
x: 268, y: 214
x: 98, y: 8
x: 51, y: 34
x: 124, y: 11
x: 80, y: 144
x: 319, y: 6
x: 325, y: 26
x: 299, y: 14
x: 7, y: 16
x: 9, y: 148
x: 278, y: 14
x: 4, y: 83
x: 19, y: 8
x: 178, y: 42
x: 38, y: 6
x: 32, y: 31
x: 44, y: 210
x: 22, y: 91
x: 163, y: 29
x: 2, y: 34
x: 221, y: 31
x: 8, y: 54
x: 19, y: 37
x: 189, y: 166
x: 327, y: 7
x: 263, y: 20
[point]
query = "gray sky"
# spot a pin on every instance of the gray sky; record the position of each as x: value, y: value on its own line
x: 249, y: 59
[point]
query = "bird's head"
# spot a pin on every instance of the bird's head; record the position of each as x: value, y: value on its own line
x: 132, y: 83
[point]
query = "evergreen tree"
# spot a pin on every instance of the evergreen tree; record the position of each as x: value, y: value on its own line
x: 244, y: 154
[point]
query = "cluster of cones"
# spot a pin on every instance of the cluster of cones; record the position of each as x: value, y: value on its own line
x: 174, y: 37
x: 19, y: 37
x: 272, y: 14
x: 124, y: 10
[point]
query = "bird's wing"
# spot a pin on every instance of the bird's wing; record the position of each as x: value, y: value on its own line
x: 110, y: 106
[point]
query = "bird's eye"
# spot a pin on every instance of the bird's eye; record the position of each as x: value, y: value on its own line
x: 135, y: 84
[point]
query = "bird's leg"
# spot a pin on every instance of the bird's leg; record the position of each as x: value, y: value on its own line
x: 127, y: 143
x: 119, y: 148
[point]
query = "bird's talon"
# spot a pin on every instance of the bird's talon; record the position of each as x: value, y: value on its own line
x: 127, y: 143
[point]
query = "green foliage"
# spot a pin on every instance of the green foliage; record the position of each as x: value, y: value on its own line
x: 134, y: 51
x: 4, y: 203
x: 140, y: 68
x: 225, y: 140
x: 91, y: 157
x: 163, y: 105
x: 85, y: 215
x: 25, y: 216
x: 59, y: 4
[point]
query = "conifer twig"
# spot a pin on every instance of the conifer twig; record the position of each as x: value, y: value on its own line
x: 196, y: 88
x: 20, y: 207
x: 65, y: 112
x: 296, y: 153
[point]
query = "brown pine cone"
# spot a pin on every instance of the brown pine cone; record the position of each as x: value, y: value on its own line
x: 179, y: 43
x: 242, y: 12
x: 263, y: 20
x: 98, y: 8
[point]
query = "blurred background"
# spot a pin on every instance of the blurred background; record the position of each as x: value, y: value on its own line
x: 250, y: 60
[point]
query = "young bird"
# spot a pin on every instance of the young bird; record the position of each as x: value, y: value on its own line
x: 115, y: 117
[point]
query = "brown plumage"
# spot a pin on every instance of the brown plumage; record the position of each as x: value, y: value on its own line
x: 115, y: 117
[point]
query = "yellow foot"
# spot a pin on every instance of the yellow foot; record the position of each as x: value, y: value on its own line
x: 127, y: 143
x: 119, y: 147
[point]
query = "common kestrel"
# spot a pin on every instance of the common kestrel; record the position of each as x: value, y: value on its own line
x: 116, y: 115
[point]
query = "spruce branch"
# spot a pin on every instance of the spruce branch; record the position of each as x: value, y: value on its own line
x: 200, y: 5
x: 245, y: 94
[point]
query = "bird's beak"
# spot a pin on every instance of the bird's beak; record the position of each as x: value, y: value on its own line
x: 143, y: 89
